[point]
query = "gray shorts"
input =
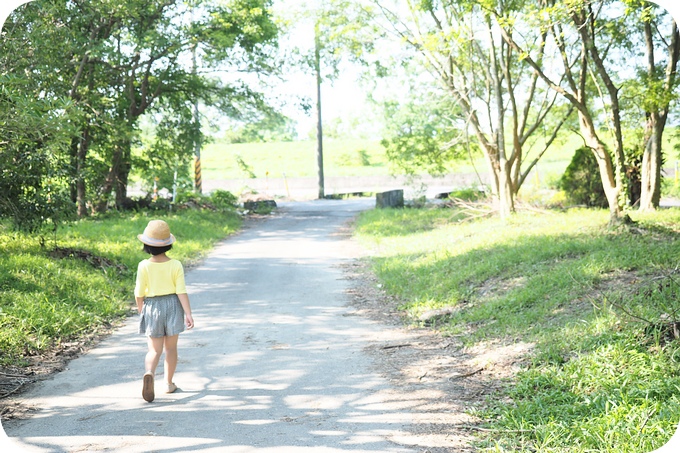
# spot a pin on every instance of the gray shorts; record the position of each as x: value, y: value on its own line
x: 162, y: 316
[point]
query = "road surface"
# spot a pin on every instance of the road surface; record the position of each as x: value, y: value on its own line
x: 276, y: 362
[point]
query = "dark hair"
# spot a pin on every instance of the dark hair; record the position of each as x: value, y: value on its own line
x: 151, y: 250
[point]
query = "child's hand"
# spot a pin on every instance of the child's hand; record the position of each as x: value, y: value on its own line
x: 189, y: 321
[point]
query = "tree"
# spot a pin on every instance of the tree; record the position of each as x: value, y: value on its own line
x: 35, y: 131
x: 232, y: 36
x: 7, y: 7
x: 263, y: 128
x: 33, y: 134
x: 658, y: 84
x: 592, y: 38
x: 484, y: 76
x: 116, y: 62
x: 421, y: 131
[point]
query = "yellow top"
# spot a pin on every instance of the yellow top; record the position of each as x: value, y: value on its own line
x: 160, y: 279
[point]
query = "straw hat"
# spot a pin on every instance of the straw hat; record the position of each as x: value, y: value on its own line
x: 157, y: 234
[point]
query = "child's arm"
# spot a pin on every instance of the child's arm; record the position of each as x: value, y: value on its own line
x: 188, y: 318
x: 140, y: 304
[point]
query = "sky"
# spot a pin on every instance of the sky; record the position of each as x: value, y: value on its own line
x: 342, y: 98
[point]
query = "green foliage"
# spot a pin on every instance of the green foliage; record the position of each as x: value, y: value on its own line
x: 273, y: 127
x: 243, y: 27
x: 48, y: 297
x: 165, y: 153
x: 670, y: 187
x: 468, y: 194
x: 344, y: 29
x: 218, y: 200
x: 117, y: 65
x: 581, y: 180
x: 357, y: 158
x: 594, y: 307
x: 33, y: 133
x: 259, y: 207
x: 420, y: 137
x: 245, y: 168
x: 223, y: 200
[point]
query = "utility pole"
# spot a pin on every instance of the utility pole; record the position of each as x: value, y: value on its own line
x: 319, y: 129
x: 198, y: 182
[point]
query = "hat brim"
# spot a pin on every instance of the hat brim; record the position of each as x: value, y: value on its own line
x: 156, y: 242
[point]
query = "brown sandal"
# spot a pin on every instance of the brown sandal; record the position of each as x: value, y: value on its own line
x: 147, y: 389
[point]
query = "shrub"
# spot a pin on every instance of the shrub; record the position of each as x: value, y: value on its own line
x: 193, y: 200
x: 139, y: 203
x: 245, y: 168
x: 468, y: 194
x: 581, y: 180
x: 223, y: 199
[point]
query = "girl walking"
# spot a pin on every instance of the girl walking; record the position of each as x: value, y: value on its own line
x: 163, y: 304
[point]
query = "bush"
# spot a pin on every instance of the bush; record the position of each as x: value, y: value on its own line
x: 218, y: 200
x: 581, y: 180
x: 356, y: 158
x: 139, y: 203
x: 468, y: 194
x: 223, y: 200
x: 670, y: 188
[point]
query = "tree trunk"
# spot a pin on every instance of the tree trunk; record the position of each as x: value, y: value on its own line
x: 81, y: 189
x: 652, y: 157
x: 612, y: 189
x: 81, y: 145
x: 110, y: 182
x: 122, y: 174
x: 502, y: 187
x: 73, y: 154
x: 117, y: 178
x: 612, y: 172
x: 506, y: 202
x: 650, y: 172
x: 506, y: 195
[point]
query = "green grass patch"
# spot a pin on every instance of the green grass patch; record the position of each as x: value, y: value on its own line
x: 46, y: 299
x: 295, y: 159
x: 597, y: 305
x: 355, y: 157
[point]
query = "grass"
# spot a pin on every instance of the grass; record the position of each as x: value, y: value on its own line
x: 45, y: 300
x: 295, y: 159
x: 355, y: 157
x: 598, y: 377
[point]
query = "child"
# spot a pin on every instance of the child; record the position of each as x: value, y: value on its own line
x: 163, y: 304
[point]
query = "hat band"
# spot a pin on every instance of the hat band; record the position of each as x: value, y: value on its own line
x: 156, y: 242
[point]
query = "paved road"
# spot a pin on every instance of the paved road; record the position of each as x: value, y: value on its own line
x: 276, y: 362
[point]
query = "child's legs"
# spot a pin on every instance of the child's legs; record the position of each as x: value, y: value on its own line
x: 154, y: 355
x: 170, y: 356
